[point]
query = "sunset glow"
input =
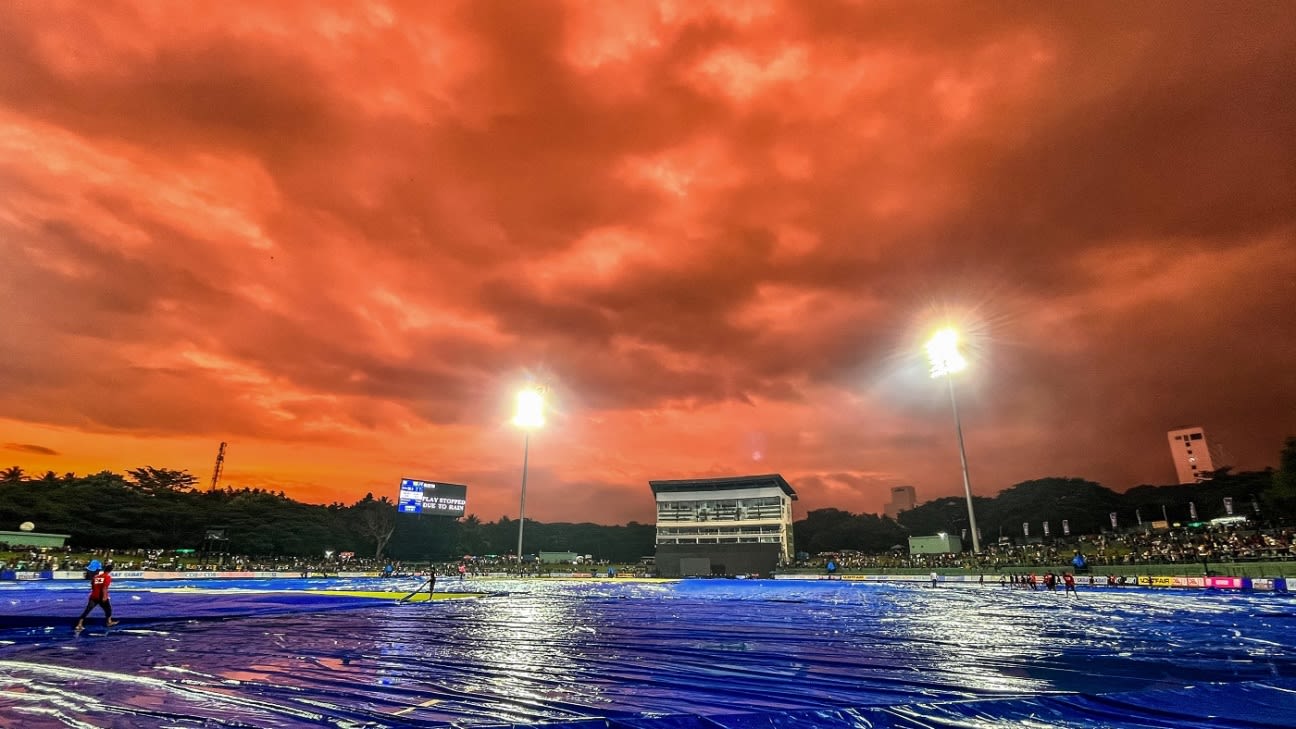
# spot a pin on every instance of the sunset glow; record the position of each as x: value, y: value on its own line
x: 337, y: 235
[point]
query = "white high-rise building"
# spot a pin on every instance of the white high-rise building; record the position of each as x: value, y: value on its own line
x: 903, y: 498
x: 1191, y: 457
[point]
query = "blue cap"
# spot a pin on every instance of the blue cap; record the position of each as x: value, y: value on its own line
x: 94, y: 565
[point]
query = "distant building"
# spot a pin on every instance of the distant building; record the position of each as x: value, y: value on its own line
x: 938, y: 544
x: 1191, y: 455
x: 33, y: 539
x: 723, y: 526
x: 558, y: 557
x: 903, y: 498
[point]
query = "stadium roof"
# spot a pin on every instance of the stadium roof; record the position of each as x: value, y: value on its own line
x: 723, y: 484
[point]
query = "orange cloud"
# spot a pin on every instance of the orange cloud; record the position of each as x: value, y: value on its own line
x: 338, y: 236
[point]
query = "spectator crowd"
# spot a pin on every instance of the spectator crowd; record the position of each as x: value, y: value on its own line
x: 1167, y: 546
x: 1149, y: 547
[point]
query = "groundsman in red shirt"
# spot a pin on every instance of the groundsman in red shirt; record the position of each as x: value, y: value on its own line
x: 99, y: 584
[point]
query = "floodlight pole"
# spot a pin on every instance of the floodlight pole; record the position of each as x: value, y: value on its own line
x: 967, y: 484
x: 526, y: 452
x: 530, y: 414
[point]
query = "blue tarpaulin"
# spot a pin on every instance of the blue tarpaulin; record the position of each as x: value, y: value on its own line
x: 698, y: 653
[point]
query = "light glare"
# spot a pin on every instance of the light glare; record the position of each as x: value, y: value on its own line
x: 942, y: 351
x: 530, y: 409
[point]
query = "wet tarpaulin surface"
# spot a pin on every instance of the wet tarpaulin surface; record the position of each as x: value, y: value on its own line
x: 684, y: 654
x: 42, y: 607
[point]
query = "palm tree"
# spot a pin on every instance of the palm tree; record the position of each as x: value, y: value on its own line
x: 12, y: 474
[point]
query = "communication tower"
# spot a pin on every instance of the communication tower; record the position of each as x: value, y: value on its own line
x: 220, y: 466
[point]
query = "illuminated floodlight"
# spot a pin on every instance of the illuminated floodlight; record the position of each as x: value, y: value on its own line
x: 529, y: 416
x: 943, y: 353
x: 530, y: 409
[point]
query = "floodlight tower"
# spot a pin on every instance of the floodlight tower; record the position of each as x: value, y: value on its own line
x: 529, y: 416
x: 942, y: 351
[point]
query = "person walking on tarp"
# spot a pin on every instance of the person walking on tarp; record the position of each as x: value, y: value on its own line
x: 99, y: 584
x: 1068, y: 579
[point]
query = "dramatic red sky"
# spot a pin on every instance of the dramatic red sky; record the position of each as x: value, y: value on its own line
x: 339, y: 235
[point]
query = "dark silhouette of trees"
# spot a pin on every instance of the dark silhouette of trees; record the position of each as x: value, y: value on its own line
x: 152, y: 480
x: 1280, y: 494
x: 1245, y: 488
x: 376, y: 520
x: 1084, y: 505
x: 825, y: 530
x: 160, y: 508
x: 948, y: 514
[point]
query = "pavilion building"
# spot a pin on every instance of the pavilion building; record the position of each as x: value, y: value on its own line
x: 740, y: 525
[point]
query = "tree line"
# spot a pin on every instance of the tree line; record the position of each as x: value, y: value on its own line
x: 161, y: 508
x: 158, y: 508
x: 1267, y: 497
x: 1067, y: 505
